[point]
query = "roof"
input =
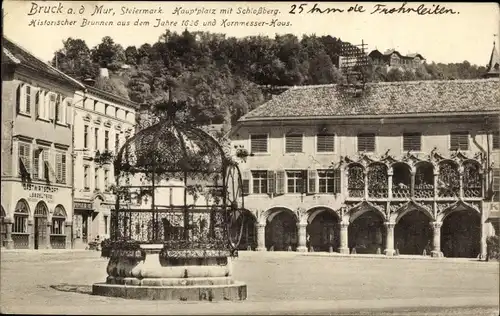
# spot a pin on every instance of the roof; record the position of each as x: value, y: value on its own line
x: 15, y: 54
x: 111, y: 97
x: 382, y: 100
x: 389, y: 52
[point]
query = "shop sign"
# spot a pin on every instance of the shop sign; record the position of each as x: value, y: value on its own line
x: 83, y: 205
x: 40, y: 192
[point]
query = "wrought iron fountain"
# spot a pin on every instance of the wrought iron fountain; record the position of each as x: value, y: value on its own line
x: 161, y: 249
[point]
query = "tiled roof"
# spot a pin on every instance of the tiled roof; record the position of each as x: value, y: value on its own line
x: 383, y: 99
x: 19, y: 55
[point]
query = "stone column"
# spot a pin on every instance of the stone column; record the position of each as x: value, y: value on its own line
x: 9, y: 243
x: 301, y: 229
x: 261, y: 237
x: 344, y: 245
x: 31, y: 236
x: 68, y: 231
x: 389, y: 183
x: 436, y: 239
x: 47, y: 235
x: 389, y: 239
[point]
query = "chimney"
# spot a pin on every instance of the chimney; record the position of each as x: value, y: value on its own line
x: 103, y: 73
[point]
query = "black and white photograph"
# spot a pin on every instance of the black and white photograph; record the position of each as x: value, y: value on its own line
x: 250, y: 158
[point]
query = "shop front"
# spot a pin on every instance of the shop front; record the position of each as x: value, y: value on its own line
x: 82, y: 220
x: 39, y: 218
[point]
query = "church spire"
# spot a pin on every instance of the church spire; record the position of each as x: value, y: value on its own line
x: 494, y: 64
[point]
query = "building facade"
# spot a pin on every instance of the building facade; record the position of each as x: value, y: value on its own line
x: 394, y: 59
x: 36, y: 151
x: 407, y: 167
x: 103, y: 122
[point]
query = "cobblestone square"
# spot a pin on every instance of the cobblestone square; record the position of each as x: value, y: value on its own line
x: 278, y: 283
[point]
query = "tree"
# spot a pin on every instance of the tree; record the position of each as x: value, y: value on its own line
x: 74, y: 60
x: 108, y: 54
x: 131, y: 55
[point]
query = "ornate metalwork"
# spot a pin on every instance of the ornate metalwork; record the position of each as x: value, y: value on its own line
x: 172, y: 158
x: 424, y: 180
x: 449, y: 179
x: 401, y: 181
x: 377, y: 181
x: 472, y: 182
x: 356, y: 181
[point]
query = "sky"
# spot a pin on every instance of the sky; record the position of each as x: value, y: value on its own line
x: 466, y: 35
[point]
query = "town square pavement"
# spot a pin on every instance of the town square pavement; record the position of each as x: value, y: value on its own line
x: 59, y: 282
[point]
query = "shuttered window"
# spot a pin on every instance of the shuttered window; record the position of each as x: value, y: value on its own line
x: 61, y: 167
x: 24, y: 159
x: 280, y: 182
x: 329, y: 181
x: 311, y: 181
x: 325, y: 143
x: 28, y: 100
x: 46, y: 172
x: 271, y: 182
x: 366, y: 142
x: 459, y: 141
x: 496, y: 140
x: 259, y: 182
x: 293, y: 143
x: 258, y: 143
x: 36, y: 163
x: 496, y: 185
x: 296, y: 181
x: 412, y: 141
x: 246, y: 182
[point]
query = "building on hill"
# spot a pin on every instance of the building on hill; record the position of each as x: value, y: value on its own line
x: 102, y: 123
x: 37, y: 106
x: 402, y: 168
x: 393, y: 59
x: 493, y: 70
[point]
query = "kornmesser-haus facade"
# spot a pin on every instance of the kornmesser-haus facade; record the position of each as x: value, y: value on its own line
x: 36, y: 151
x: 395, y: 168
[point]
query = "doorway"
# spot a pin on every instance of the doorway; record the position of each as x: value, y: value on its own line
x: 40, y: 233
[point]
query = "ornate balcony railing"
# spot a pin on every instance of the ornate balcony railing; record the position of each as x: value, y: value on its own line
x: 424, y: 191
x: 401, y: 192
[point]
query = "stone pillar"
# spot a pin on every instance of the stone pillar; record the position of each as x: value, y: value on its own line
x: 389, y: 239
x: 344, y: 245
x: 261, y: 237
x: 47, y: 236
x: 302, y: 232
x: 389, y: 183
x: 436, y: 177
x: 436, y: 239
x: 68, y: 231
x: 9, y: 243
x: 31, y: 236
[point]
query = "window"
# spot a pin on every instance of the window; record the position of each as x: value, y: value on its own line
x: 59, y: 110
x: 329, y: 181
x: 37, y: 103
x: 496, y: 140
x: 24, y: 159
x: 117, y: 142
x: 106, y: 140
x: 96, y: 179
x: 96, y: 139
x: 412, y: 141
x: 105, y: 224
x: 258, y: 143
x: 57, y: 226
x: 293, y: 143
x: 45, y: 156
x: 496, y: 185
x: 20, y: 224
x: 52, y: 105
x: 459, y: 141
x: 325, y: 143
x: 86, y: 136
x: 94, y: 107
x: 86, y: 171
x: 259, y: 182
x: 366, y: 142
x: 295, y: 181
x: 28, y: 100
x: 36, y: 163
x: 106, y: 179
x: 61, y: 167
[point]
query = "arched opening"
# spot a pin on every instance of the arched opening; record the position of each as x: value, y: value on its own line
x: 378, y: 181
x: 41, y: 219
x: 401, y: 180
x: 461, y: 234
x: 355, y: 181
x: 3, y: 228
x: 249, y: 234
x: 424, y: 180
x: 281, y: 231
x: 20, y: 234
x: 58, y: 234
x: 472, y: 179
x: 449, y: 179
x: 367, y: 233
x: 413, y: 233
x: 323, y: 232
